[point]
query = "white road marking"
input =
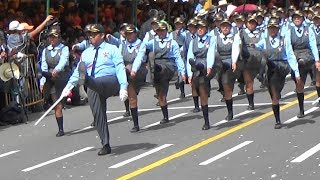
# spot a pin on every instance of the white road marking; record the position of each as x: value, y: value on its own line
x: 140, y: 156
x: 116, y: 118
x: 83, y: 129
x: 296, y: 118
x: 8, y: 153
x: 292, y: 92
x: 176, y: 99
x: 221, y: 155
x: 307, y: 154
x: 157, y: 123
x: 191, y: 107
x: 56, y: 159
x: 235, y: 116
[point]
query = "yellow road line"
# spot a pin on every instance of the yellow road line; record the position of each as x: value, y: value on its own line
x: 207, y: 141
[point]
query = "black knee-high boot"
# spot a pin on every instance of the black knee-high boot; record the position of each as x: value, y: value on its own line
x: 196, y: 104
x: 126, y: 104
x: 250, y: 100
x: 229, y: 104
x: 181, y: 86
x: 164, y: 110
x: 134, y: 114
x: 60, y: 126
x: 301, y: 105
x: 205, y: 112
x: 276, y: 113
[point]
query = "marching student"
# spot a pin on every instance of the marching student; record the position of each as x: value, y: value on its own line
x: 129, y: 51
x: 200, y: 60
x: 55, y: 72
x: 304, y: 45
x: 167, y: 59
x: 280, y: 58
x: 228, y: 50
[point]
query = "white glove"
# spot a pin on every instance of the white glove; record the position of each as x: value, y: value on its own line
x: 66, y: 91
x: 123, y: 94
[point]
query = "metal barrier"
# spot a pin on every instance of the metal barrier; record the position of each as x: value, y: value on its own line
x: 30, y: 89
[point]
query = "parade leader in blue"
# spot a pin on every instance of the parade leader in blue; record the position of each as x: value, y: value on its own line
x: 102, y: 70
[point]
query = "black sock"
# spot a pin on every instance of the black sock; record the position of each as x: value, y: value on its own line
x: 318, y: 91
x: 126, y: 104
x: 250, y: 98
x: 196, y: 101
x: 134, y: 114
x: 164, y: 110
x: 60, y: 123
x: 205, y: 114
x: 229, y: 104
x: 276, y: 112
x: 181, y: 85
x: 301, y: 101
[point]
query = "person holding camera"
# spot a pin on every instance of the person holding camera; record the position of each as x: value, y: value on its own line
x: 55, y: 72
x: 200, y: 60
x: 102, y: 70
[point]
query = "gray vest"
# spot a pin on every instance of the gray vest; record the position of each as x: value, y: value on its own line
x: 53, y: 61
x: 300, y: 45
x: 128, y: 57
x: 200, y: 53
x: 224, y: 50
x: 274, y: 54
x: 317, y: 37
x: 247, y: 51
x: 162, y: 56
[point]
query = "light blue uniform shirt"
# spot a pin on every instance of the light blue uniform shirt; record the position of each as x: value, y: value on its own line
x: 83, y: 45
x: 174, y: 52
x: 64, y: 59
x: 109, y: 63
x: 287, y: 52
x: 210, y: 53
x: 198, y: 8
x: 116, y: 41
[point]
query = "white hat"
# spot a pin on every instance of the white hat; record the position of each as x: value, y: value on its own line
x: 222, y: 2
x: 15, y: 25
x: 6, y: 72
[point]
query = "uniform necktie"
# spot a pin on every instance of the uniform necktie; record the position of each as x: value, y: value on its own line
x: 318, y: 29
x: 94, y: 62
x: 162, y: 41
x: 272, y: 41
x: 201, y: 40
x: 193, y: 36
x: 225, y: 38
x: 130, y: 46
x: 299, y: 30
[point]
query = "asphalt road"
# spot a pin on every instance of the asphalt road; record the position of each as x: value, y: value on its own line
x: 245, y: 148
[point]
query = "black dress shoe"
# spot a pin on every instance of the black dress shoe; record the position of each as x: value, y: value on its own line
x: 229, y: 117
x: 135, y: 129
x: 195, y: 110
x: 60, y: 133
x: 127, y: 114
x: 157, y: 104
x: 223, y: 100
x: 300, y: 115
x: 250, y: 107
x: 182, y: 95
x: 205, y: 127
x: 278, y: 126
x: 93, y: 124
x: 164, y: 121
x: 105, y: 150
